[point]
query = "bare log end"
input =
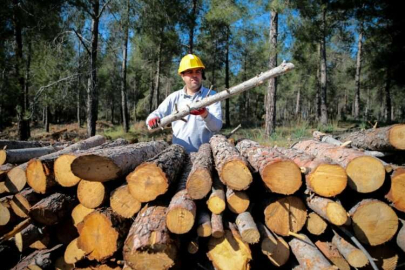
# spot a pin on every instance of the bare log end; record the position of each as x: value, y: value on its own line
x: 158, y: 257
x: 79, y: 213
x: 397, y: 191
x: 73, y: 253
x: 37, y: 175
x: 123, y: 203
x: 179, y: 220
x: 366, y: 174
x: 3, y: 156
x: 147, y: 182
x: 337, y: 214
x: 236, y: 175
x: 315, y: 224
x: 327, y: 180
x: 282, y: 177
x: 16, y: 180
x: 397, y: 136
x: 95, y: 168
x: 199, y: 184
x: 91, y: 194
x: 63, y: 172
x: 216, y: 205
x: 238, y: 202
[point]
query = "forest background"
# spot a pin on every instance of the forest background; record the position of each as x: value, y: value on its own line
x: 67, y: 61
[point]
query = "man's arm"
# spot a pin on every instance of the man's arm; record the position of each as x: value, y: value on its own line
x: 213, y: 121
x: 163, y: 110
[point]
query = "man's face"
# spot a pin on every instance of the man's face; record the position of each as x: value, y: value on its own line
x: 192, y: 79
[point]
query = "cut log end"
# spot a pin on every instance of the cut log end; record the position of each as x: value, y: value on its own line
x: 4, y: 214
x: 123, y: 203
x: 276, y: 250
x: 283, y: 177
x: 63, y: 172
x: 20, y: 206
x: 90, y: 194
x: 216, y: 205
x: 3, y: 156
x: 236, y: 175
x: 73, y: 253
x: 336, y: 213
x: 16, y: 180
x: 328, y: 180
x: 162, y: 257
x: 179, y: 220
x: 366, y: 174
x: 147, y: 182
x: 79, y: 213
x: 238, y: 202
x: 199, y: 184
x: 95, y: 168
x: 315, y: 224
x: 397, y: 136
x: 37, y: 176
x: 397, y: 191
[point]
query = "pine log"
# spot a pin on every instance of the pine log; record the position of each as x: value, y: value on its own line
x: 273, y: 246
x: 28, y: 236
x: 40, y: 259
x: 217, y: 226
x: 21, y: 202
x: 216, y: 202
x: 366, y: 174
x: 232, y: 168
x: 102, y: 233
x: 51, y: 210
x: 237, y: 201
x: 247, y: 228
x: 229, y: 252
x: 181, y: 212
x: 18, y: 228
x: 380, y: 139
x: 123, y: 203
x: 315, y: 224
x: 329, y: 210
x: 385, y: 256
x: 332, y: 254
x: 91, y: 194
x: 149, y: 244
x: 79, y: 213
x: 199, y: 181
x: 17, y: 156
x: 73, y: 253
x: 280, y: 174
x: 111, y: 163
x: 308, y: 255
x: 153, y: 177
x: 40, y: 176
x: 354, y: 256
x: 397, y: 191
x: 401, y: 237
x: 285, y: 215
x: 62, y: 166
x: 374, y: 222
x: 322, y: 177
x: 9, y: 144
x: 204, y: 228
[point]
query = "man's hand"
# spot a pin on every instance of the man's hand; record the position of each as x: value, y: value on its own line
x: 203, y: 112
x: 154, y: 122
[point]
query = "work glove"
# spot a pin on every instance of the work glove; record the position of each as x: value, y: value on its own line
x: 198, y: 112
x: 154, y: 122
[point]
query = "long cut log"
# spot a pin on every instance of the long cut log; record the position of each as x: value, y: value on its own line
x: 332, y: 253
x: 354, y: 256
x: 253, y: 82
x: 17, y: 156
x: 232, y: 168
x: 52, y: 209
x: 28, y: 236
x: 397, y: 191
x: 111, y: 163
x: 217, y: 226
x: 386, y: 256
x: 273, y: 246
x: 181, y: 212
x: 379, y: 139
x: 40, y: 259
x: 91, y: 194
x: 153, y: 177
x: 280, y: 174
x: 9, y: 144
x: 247, y: 228
x: 149, y: 244
x: 366, y: 174
x: 329, y: 210
x: 21, y: 202
x: 374, y: 222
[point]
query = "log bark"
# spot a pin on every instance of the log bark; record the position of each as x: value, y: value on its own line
x: 40, y: 259
x: 216, y: 202
x: 181, y: 212
x: 237, y: 201
x: 401, y: 237
x: 73, y: 253
x: 308, y: 255
x: 217, y: 226
x: 379, y: 139
x: 51, y: 210
x: 153, y: 177
x: 365, y: 173
x: 397, y: 190
x: 315, y: 224
x: 273, y: 246
x: 79, y: 212
x: 204, y: 228
x: 28, y: 236
x: 149, y: 244
x: 123, y: 203
x: 374, y: 222
x: 112, y: 163
x: 354, y: 256
x: 229, y: 252
x: 91, y: 194
x: 102, y: 233
x: 281, y: 69
x: 280, y: 174
x: 329, y: 210
x: 62, y: 166
x: 232, y: 168
x: 322, y: 177
x: 199, y: 181
x: 285, y: 215
x: 247, y: 228
x: 332, y: 254
x: 16, y: 156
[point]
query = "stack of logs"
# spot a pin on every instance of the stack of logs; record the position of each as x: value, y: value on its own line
x: 113, y: 205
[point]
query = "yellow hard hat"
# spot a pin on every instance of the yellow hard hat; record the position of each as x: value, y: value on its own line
x: 190, y: 61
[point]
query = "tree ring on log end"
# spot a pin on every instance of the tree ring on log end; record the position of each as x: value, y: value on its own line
x: 283, y: 177
x: 236, y: 175
x: 397, y: 136
x: 328, y: 180
x: 366, y: 174
x: 95, y: 168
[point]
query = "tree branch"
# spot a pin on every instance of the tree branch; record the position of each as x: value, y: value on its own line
x: 82, y: 39
x: 103, y: 8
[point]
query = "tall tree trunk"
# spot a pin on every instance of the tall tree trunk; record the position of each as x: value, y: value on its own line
x: 47, y: 118
x: 193, y: 16
x: 357, y: 78
x: 79, y: 84
x: 214, y: 57
x: 158, y: 67
x: 152, y: 90
x: 270, y: 101
x: 135, y: 99
x: 318, y: 86
x: 367, y: 105
x: 324, y: 111
x: 298, y: 103
x: 124, y: 108
x: 92, y: 88
x: 227, y: 110
x: 27, y: 85
x: 387, y: 116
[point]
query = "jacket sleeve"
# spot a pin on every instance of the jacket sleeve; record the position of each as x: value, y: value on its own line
x: 213, y: 121
x: 164, y: 109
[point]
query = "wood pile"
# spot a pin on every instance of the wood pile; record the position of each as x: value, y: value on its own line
x: 115, y: 205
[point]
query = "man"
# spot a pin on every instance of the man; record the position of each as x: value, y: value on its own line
x: 201, y: 124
